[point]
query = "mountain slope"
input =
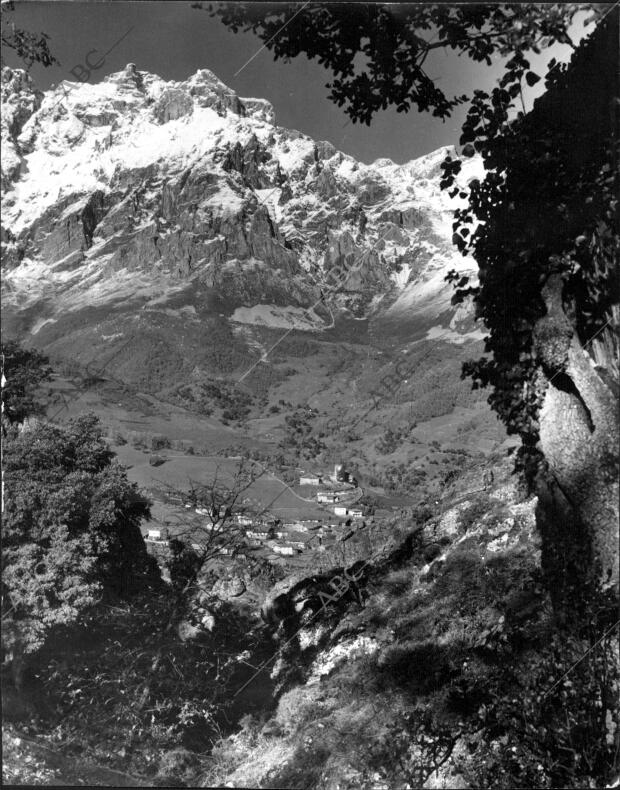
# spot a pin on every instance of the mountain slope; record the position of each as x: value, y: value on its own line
x: 178, y: 215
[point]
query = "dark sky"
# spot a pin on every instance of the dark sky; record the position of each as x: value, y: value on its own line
x: 173, y: 40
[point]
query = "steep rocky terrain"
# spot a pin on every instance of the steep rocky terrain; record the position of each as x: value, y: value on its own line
x: 177, y: 228
x: 365, y: 690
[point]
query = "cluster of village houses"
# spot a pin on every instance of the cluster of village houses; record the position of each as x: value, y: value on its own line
x: 343, y: 494
x: 289, y: 538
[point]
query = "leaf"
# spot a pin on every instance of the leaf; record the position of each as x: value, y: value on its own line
x: 468, y: 150
x: 531, y: 78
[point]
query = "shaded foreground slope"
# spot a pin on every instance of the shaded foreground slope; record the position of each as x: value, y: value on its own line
x: 446, y: 678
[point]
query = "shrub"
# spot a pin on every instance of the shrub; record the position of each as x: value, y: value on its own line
x: 159, y: 442
x: 420, y: 666
x: 422, y: 512
x: 532, y: 739
x: 137, y: 440
x: 305, y: 768
x: 177, y: 766
x: 473, y: 513
x: 431, y: 552
x: 391, y: 440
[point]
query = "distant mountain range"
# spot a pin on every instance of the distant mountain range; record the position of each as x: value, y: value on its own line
x: 137, y: 207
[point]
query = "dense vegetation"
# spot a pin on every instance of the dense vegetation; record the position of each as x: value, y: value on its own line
x: 23, y: 371
x: 96, y: 649
x: 547, y: 207
x: 235, y: 404
x: 301, y: 434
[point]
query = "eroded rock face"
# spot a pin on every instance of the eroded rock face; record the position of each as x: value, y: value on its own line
x: 260, y: 109
x: 247, y: 160
x: 171, y: 105
x: 20, y: 101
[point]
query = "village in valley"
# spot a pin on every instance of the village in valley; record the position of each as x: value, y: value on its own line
x: 263, y: 536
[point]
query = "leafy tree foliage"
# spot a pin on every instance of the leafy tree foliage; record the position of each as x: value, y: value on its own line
x: 24, y: 370
x: 548, y: 206
x: 300, y: 433
x: 377, y: 52
x: 70, y: 529
x: 29, y: 47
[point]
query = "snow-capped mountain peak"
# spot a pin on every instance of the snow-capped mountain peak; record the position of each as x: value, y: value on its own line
x: 121, y: 194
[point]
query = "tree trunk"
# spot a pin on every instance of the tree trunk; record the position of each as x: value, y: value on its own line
x: 579, y: 433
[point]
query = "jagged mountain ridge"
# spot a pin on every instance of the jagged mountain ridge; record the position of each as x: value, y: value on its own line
x: 137, y: 203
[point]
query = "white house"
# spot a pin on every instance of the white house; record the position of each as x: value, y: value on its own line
x: 327, y: 496
x: 244, y: 521
x: 310, y: 480
x: 156, y: 535
x: 342, y: 510
x: 302, y: 525
x: 284, y: 550
x: 260, y: 534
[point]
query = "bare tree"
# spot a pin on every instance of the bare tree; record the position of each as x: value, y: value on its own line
x: 223, y: 509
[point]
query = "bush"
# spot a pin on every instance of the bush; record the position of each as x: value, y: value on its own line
x: 532, y: 739
x: 422, y: 512
x: 420, y: 666
x: 391, y: 440
x: 178, y: 764
x: 159, y: 442
x: 431, y: 552
x: 138, y: 440
x: 473, y: 513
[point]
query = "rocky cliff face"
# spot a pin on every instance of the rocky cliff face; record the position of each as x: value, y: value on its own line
x: 138, y: 202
